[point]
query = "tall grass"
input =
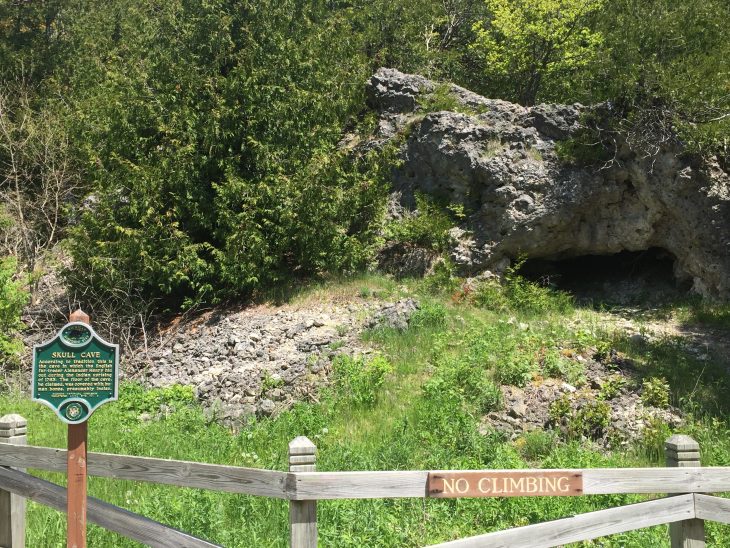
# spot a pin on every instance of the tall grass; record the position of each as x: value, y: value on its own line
x: 423, y: 412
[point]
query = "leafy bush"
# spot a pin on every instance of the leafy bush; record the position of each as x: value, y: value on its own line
x: 442, y: 278
x: 358, y: 379
x: 490, y: 294
x: 427, y: 227
x: 470, y: 384
x: 655, y: 391
x: 13, y: 298
x: 439, y: 99
x: 580, y: 416
x: 536, y: 444
x: 527, y: 296
x: 428, y: 315
x: 134, y: 397
x: 611, y: 387
x: 591, y: 420
x: 519, y: 294
x: 515, y: 368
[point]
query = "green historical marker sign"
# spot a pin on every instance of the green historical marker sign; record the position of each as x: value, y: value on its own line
x: 75, y: 372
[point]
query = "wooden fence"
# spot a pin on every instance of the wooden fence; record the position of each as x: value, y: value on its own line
x: 303, y: 487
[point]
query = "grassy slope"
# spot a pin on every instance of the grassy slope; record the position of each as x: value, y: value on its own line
x: 426, y: 416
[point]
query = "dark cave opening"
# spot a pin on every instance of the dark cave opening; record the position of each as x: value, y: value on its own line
x: 623, y: 278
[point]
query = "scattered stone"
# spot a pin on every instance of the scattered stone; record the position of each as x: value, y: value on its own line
x: 237, y: 361
x: 529, y: 408
x: 395, y: 315
x: 266, y: 407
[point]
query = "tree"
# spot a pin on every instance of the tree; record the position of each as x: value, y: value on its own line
x: 666, y: 70
x: 534, y: 49
x: 37, y: 177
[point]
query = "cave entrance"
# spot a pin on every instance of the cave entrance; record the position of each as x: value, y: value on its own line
x: 629, y: 277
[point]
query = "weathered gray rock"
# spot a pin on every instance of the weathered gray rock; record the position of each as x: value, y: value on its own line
x: 500, y: 163
x: 395, y: 315
x: 262, y: 360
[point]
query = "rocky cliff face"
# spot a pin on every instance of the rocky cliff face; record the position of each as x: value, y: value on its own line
x: 499, y: 161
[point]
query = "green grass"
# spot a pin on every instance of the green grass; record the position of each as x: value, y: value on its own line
x: 442, y: 377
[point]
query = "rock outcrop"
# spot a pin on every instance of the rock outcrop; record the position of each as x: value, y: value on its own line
x: 499, y: 161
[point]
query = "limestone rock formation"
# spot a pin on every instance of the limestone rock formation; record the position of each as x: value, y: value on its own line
x: 499, y: 161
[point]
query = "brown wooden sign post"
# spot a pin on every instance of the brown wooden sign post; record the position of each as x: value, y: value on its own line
x: 76, y: 471
x: 74, y: 373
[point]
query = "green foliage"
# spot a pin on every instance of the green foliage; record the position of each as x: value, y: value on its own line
x: 135, y: 398
x: 581, y: 416
x: 560, y: 409
x: 518, y: 294
x: 210, y: 135
x: 516, y: 368
x: 536, y: 444
x: 443, y: 278
x: 611, y: 387
x: 591, y: 419
x: 536, y: 50
x: 360, y: 379
x: 468, y: 384
x: 13, y: 298
x: 429, y: 315
x: 655, y: 391
x: 491, y: 295
x: 527, y: 296
x: 427, y: 227
x: 439, y: 99
x: 666, y: 73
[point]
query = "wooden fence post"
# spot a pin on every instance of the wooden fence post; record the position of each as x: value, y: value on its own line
x: 12, y: 507
x: 682, y: 451
x: 302, y: 513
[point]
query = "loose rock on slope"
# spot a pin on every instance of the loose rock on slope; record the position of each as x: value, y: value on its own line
x: 261, y: 360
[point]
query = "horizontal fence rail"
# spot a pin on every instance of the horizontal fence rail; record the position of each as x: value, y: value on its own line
x: 231, y: 479
x: 352, y: 485
x: 585, y: 526
x: 302, y: 486
x: 596, y: 481
x: 101, y: 513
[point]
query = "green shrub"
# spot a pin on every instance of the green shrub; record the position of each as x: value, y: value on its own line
x: 561, y: 409
x: 553, y: 364
x: 358, y: 380
x: 135, y: 398
x: 611, y: 387
x: 442, y: 278
x: 428, y: 315
x: 527, y: 296
x: 655, y: 391
x: 591, y: 419
x: 536, y: 444
x: 491, y: 295
x: 515, y: 368
x: 427, y: 227
x: 440, y: 99
x: 13, y: 298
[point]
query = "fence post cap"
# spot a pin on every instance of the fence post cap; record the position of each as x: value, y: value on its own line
x: 79, y: 316
x: 681, y: 442
x: 12, y: 425
x: 302, y: 445
x: 13, y: 420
